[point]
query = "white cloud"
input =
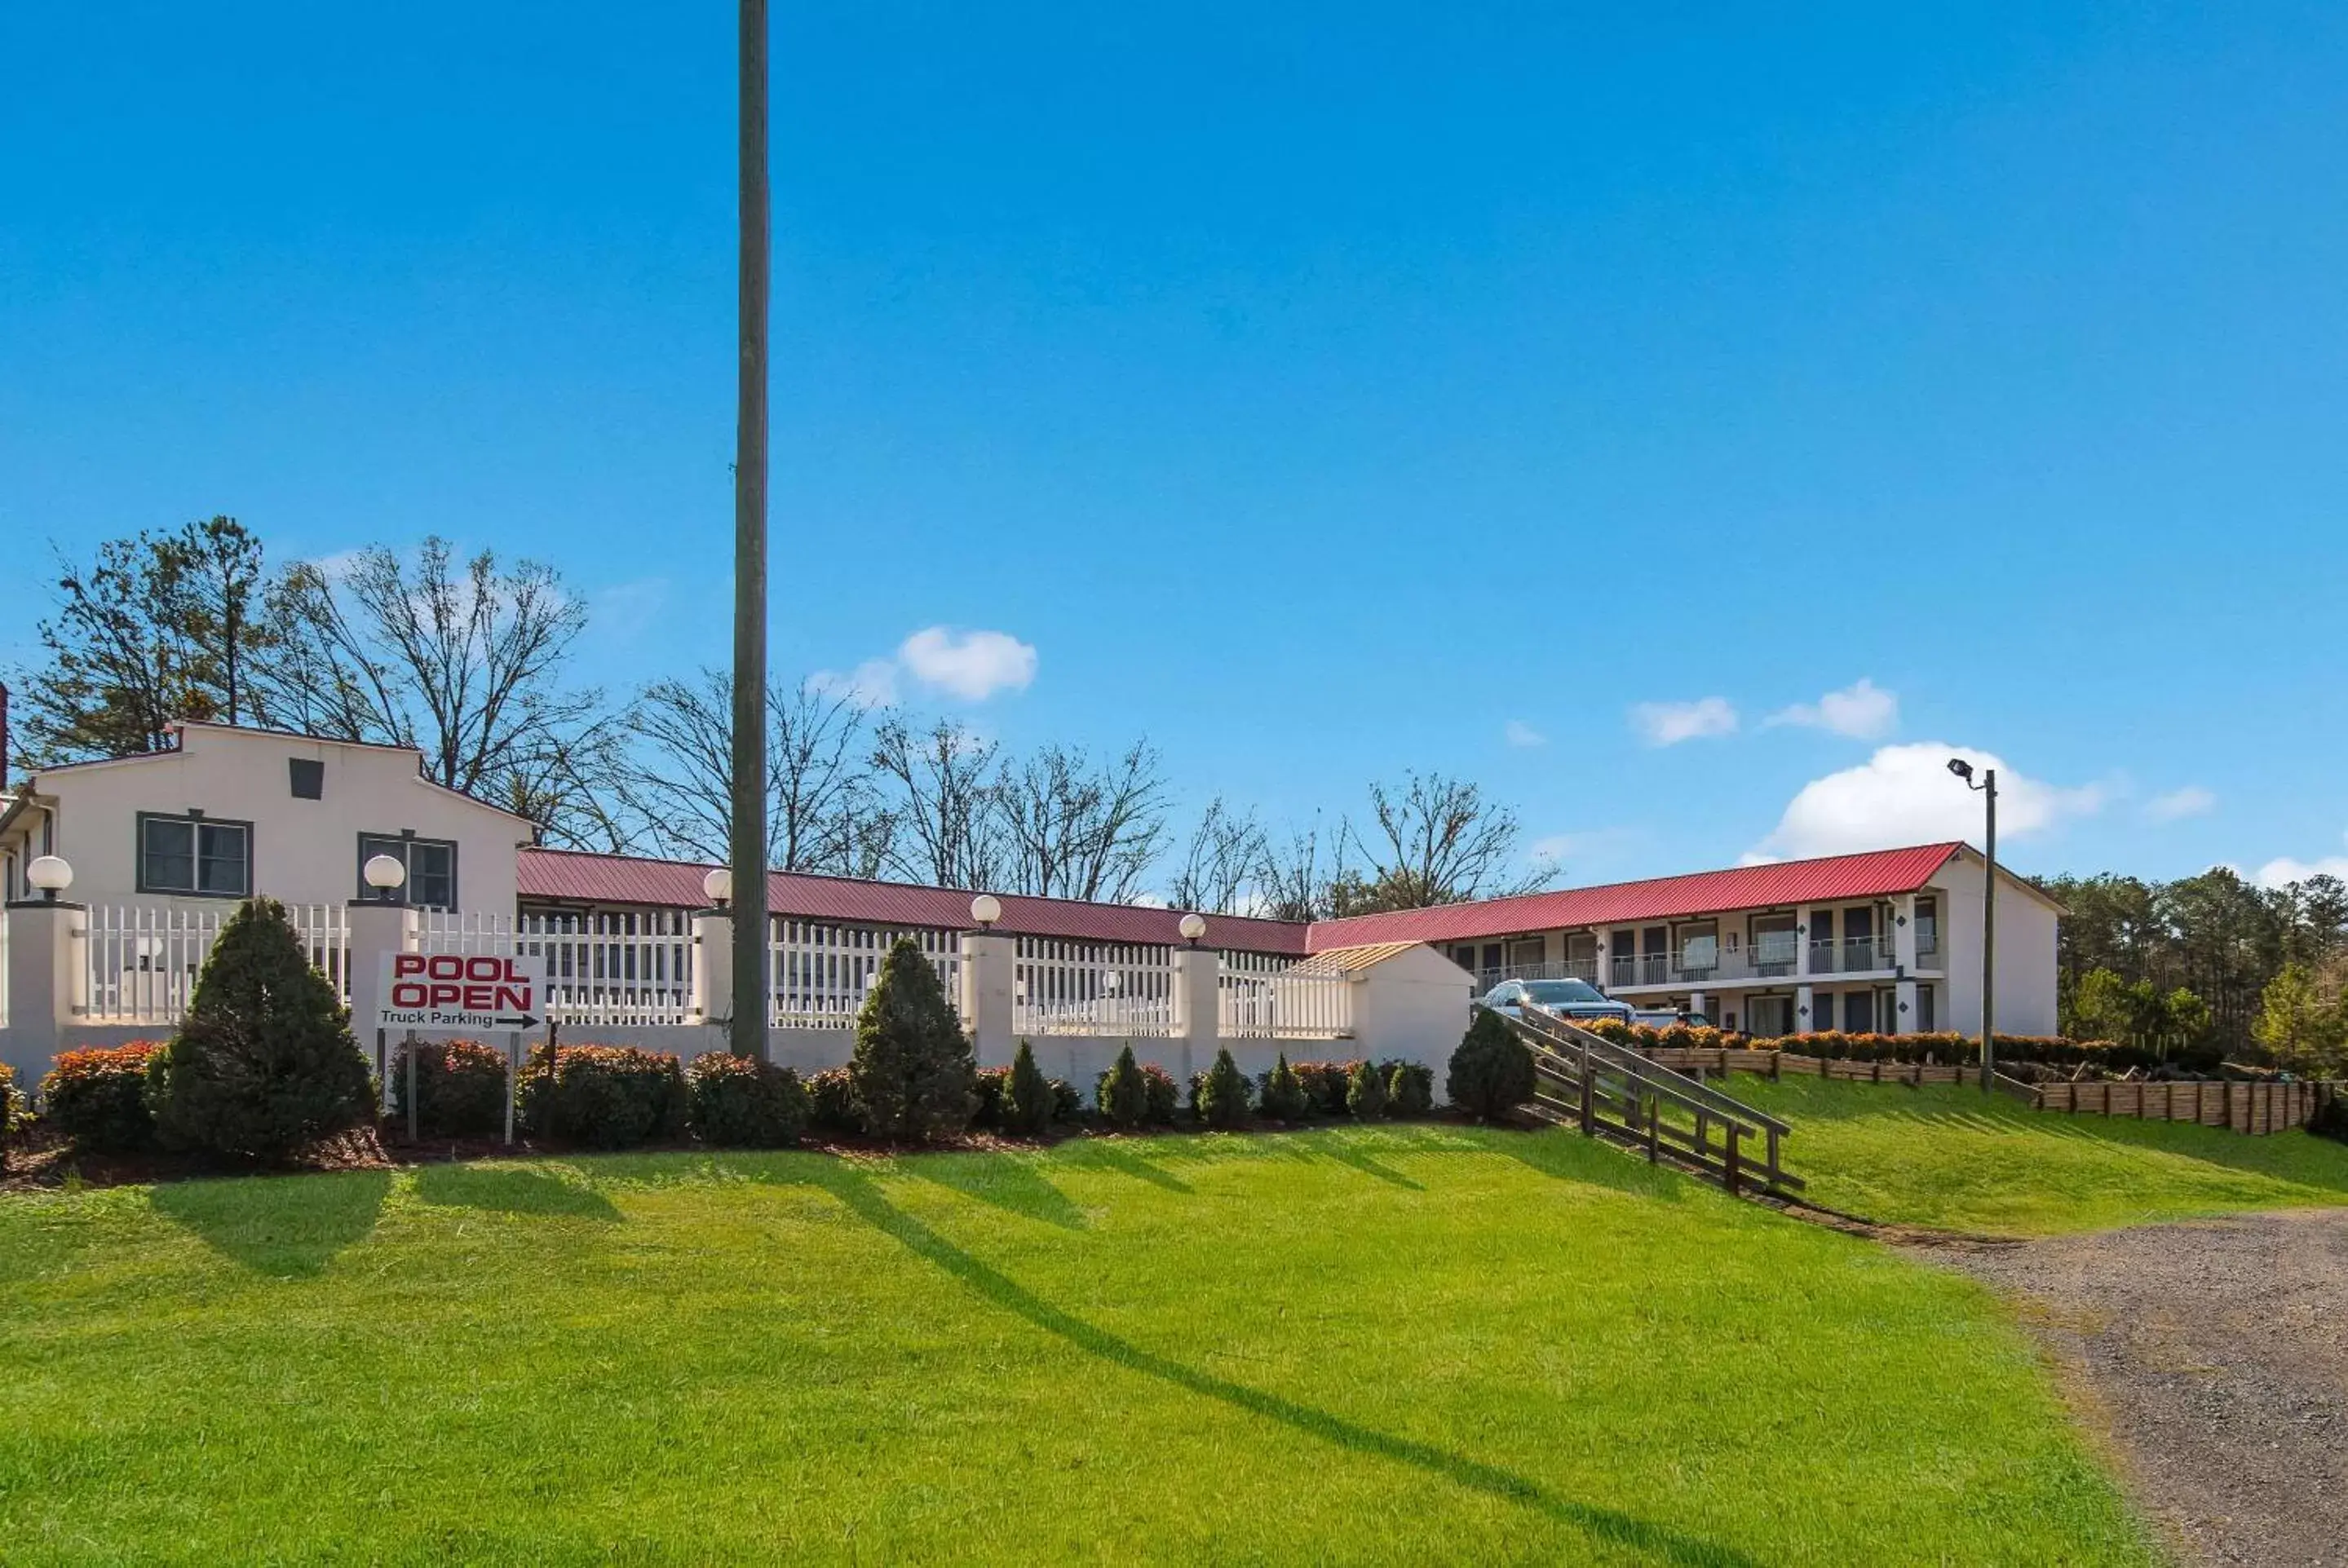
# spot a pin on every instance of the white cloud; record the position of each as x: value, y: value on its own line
x: 1863, y: 711
x: 871, y: 684
x: 1905, y: 795
x: 626, y: 610
x: 1669, y: 723
x: 972, y: 665
x: 2284, y: 869
x: 1522, y: 735
x: 2191, y: 801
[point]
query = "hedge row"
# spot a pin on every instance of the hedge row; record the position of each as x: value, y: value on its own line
x: 2050, y: 1051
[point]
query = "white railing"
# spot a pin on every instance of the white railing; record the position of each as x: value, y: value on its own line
x: 817, y: 974
x: 611, y: 967
x: 142, y: 961
x: 1258, y: 997
x: 1092, y: 987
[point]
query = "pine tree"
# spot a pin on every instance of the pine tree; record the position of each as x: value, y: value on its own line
x: 1026, y: 1096
x: 1284, y: 1092
x: 1222, y: 1097
x: 264, y: 1062
x: 912, y: 1073
x: 1122, y: 1092
x: 1366, y: 1091
x: 1491, y: 1072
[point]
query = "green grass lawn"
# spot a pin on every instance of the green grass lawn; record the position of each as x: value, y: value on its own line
x: 1401, y: 1344
x: 1950, y: 1157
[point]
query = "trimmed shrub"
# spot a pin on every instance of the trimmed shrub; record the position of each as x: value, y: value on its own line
x: 1325, y: 1084
x: 98, y: 1098
x: 1122, y: 1092
x: 2331, y: 1118
x: 460, y: 1088
x: 9, y: 1105
x: 743, y: 1102
x: 1410, y: 1087
x: 264, y: 1062
x: 1283, y: 1097
x: 1161, y: 1096
x: 1219, y: 1094
x: 988, y: 1085
x: 1027, y: 1103
x: 603, y: 1096
x: 1491, y: 1072
x: 1067, y: 1104
x: 1365, y: 1092
x: 914, y: 1076
x: 831, y: 1103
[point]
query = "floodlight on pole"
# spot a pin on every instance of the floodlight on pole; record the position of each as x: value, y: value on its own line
x: 1987, y: 787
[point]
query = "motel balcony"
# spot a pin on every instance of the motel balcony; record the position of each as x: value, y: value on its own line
x: 1763, y: 964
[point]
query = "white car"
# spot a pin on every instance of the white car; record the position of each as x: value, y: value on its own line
x: 1569, y: 999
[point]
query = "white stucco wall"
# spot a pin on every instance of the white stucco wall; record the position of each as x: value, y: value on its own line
x: 303, y: 851
x: 1413, y: 1007
x: 2025, y: 952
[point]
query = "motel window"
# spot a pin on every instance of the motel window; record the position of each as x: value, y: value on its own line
x: 194, y: 857
x: 1700, y: 945
x: 1925, y: 1022
x: 1859, y: 1012
x: 431, y: 866
x: 1928, y: 926
x: 1822, y: 1015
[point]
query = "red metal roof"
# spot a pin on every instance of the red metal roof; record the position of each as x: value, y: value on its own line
x: 1873, y: 875
x: 569, y: 876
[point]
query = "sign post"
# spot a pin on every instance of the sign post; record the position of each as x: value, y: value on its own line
x: 472, y: 994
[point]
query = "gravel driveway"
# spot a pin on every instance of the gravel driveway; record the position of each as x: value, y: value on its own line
x: 2215, y: 1355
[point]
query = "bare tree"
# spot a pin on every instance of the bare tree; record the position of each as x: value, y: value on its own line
x: 824, y: 813
x: 942, y: 784
x: 1222, y: 863
x: 1079, y: 832
x: 1438, y: 841
x: 1305, y: 878
x: 462, y: 660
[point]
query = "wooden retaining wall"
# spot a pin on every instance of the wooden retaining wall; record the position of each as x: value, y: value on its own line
x: 2245, y: 1107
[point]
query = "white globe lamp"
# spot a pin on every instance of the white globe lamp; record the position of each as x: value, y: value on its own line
x: 986, y: 909
x: 717, y: 886
x: 385, y: 874
x: 50, y: 874
x: 1193, y: 926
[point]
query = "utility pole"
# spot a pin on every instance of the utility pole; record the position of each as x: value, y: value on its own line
x: 748, y: 846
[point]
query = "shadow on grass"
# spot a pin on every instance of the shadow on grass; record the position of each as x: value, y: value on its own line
x: 864, y: 1198
x: 1011, y: 1182
x: 1120, y: 1155
x: 511, y: 1191
x: 281, y: 1227
x: 1345, y: 1153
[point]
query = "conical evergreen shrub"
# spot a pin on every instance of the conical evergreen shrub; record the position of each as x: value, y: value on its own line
x: 1222, y: 1097
x: 1026, y: 1096
x: 1366, y: 1091
x: 1122, y: 1092
x: 1491, y: 1072
x: 1284, y: 1092
x: 912, y: 1073
x: 264, y: 1063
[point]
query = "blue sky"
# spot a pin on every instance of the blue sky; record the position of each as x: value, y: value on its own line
x: 1320, y: 391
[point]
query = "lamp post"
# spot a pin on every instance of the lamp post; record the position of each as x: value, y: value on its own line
x: 1988, y: 788
x: 1193, y: 926
x: 385, y: 874
x: 51, y: 874
x: 717, y: 887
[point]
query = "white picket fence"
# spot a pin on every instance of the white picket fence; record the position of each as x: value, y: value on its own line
x: 817, y: 974
x: 140, y: 961
x: 1261, y: 996
x: 1092, y: 987
x: 632, y: 967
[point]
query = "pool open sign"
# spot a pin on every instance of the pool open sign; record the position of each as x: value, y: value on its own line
x: 456, y: 993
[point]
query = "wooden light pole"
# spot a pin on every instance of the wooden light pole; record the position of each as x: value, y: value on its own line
x: 748, y: 849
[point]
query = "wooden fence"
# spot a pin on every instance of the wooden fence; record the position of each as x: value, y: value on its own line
x: 2255, y: 1108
